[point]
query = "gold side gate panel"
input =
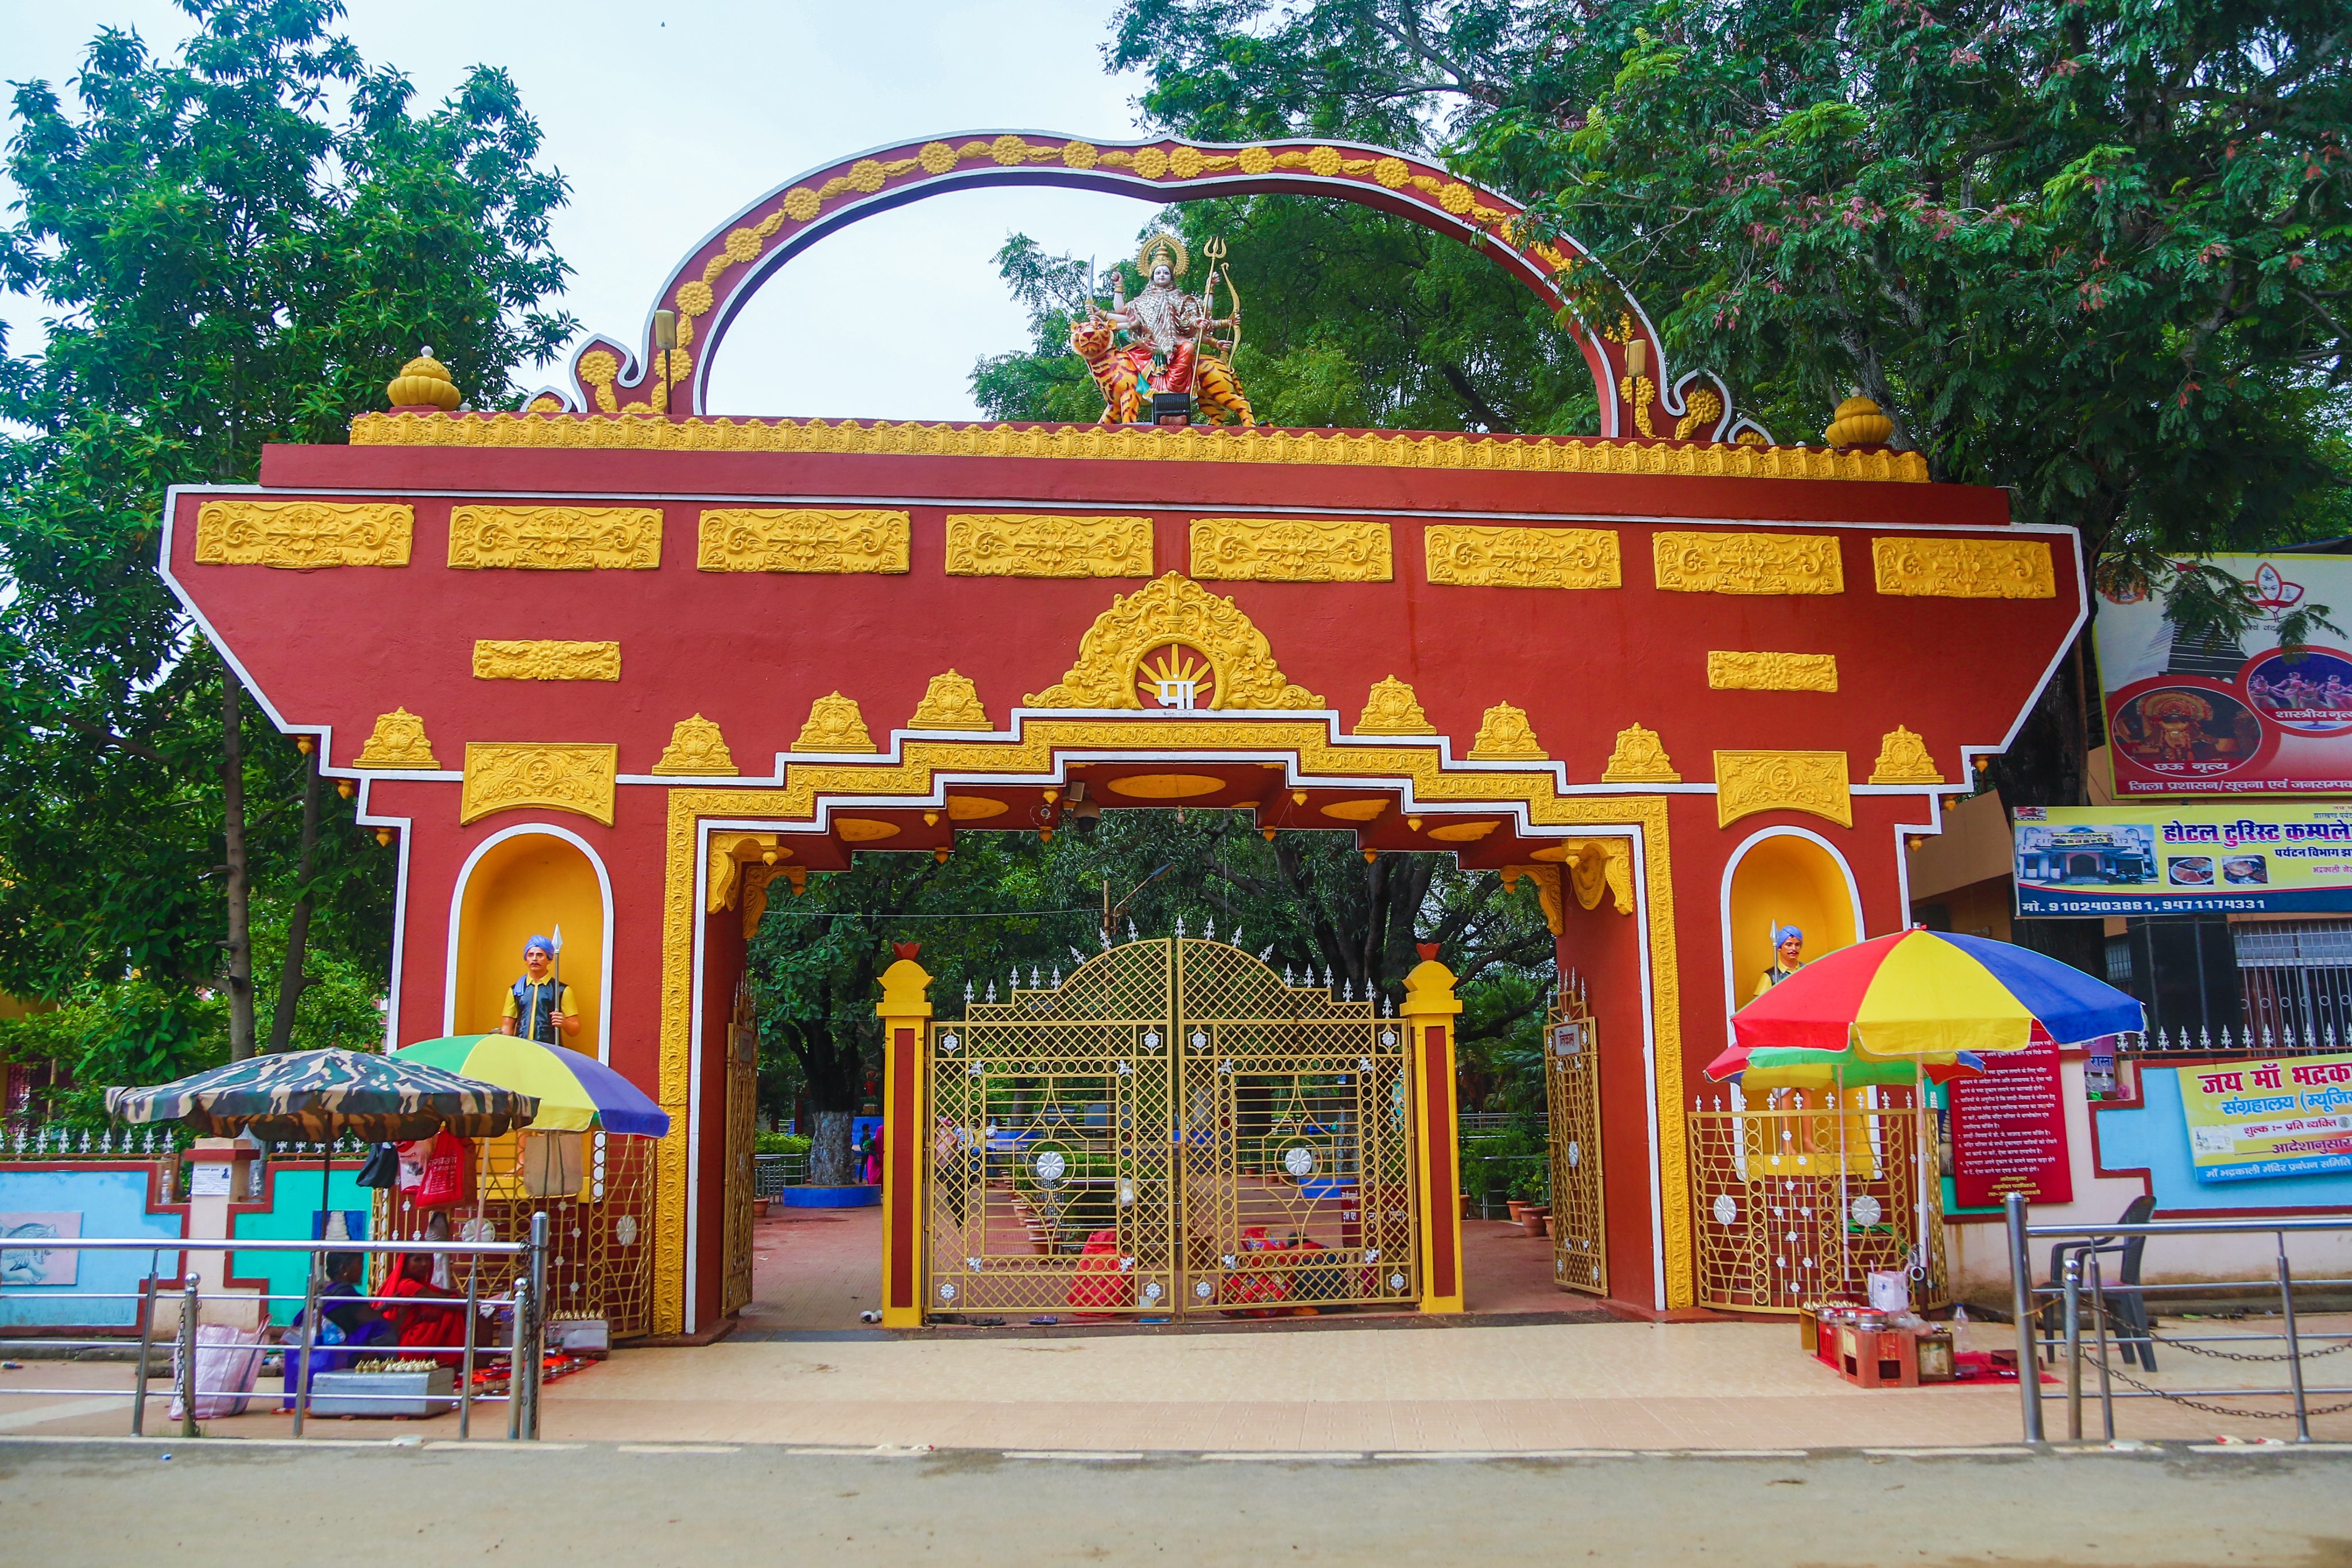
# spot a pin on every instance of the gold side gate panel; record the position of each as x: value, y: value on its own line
x: 1579, y: 1225
x: 743, y: 1126
x: 1173, y: 1129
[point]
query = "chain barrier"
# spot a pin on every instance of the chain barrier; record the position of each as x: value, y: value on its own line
x: 2246, y: 1355
x: 2310, y: 1410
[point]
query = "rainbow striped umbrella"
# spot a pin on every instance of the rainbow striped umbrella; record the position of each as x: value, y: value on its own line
x: 1930, y: 995
x: 576, y: 1093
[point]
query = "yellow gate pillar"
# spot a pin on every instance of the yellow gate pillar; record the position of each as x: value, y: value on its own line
x: 1430, y: 1006
x: 903, y: 1008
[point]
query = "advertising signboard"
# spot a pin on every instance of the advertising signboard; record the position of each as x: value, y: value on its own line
x: 2243, y: 857
x: 2254, y: 1119
x: 2230, y: 718
x: 2008, y: 1131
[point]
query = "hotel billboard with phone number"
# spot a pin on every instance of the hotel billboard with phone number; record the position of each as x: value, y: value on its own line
x: 2243, y: 857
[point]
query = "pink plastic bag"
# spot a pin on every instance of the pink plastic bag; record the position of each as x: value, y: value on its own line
x: 228, y: 1361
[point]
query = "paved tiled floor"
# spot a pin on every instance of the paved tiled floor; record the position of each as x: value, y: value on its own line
x: 1534, y: 1387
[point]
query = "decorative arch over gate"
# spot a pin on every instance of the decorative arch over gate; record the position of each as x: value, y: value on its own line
x: 722, y: 272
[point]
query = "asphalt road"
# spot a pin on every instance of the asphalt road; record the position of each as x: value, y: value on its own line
x: 248, y: 1503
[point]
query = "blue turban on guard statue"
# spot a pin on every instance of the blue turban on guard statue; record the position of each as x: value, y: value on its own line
x: 1783, y: 933
x: 548, y: 948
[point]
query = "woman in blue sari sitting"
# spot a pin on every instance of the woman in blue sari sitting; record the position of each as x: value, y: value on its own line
x: 346, y: 1326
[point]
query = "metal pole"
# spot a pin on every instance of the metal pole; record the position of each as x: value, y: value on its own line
x: 2074, y: 1300
x: 191, y: 1307
x: 465, y: 1372
x: 520, y: 1291
x: 2099, y: 1327
x: 2021, y: 1310
x: 309, y: 1338
x: 146, y: 1343
x: 2293, y: 1352
x: 538, y: 1311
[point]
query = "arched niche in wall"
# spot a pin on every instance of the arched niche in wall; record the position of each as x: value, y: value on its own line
x: 521, y: 882
x: 1784, y: 876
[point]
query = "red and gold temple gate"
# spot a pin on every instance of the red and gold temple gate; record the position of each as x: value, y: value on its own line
x: 1678, y: 676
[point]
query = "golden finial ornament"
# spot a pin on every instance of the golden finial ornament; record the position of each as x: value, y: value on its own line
x: 1859, y: 423
x: 422, y: 383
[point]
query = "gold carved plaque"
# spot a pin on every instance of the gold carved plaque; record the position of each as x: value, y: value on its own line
x: 501, y: 660
x: 1640, y: 757
x: 696, y: 746
x: 1505, y: 735
x: 1392, y: 710
x: 1772, y: 672
x: 1965, y: 569
x: 1290, y: 549
x: 951, y: 702
x: 1904, y: 758
x: 1014, y: 544
x: 563, y: 778
x: 398, y: 741
x: 803, y: 538
x: 1173, y: 610
x: 1747, y: 782
x: 555, y: 539
x: 1522, y: 557
x: 303, y: 534
x: 834, y: 725
x: 1748, y: 563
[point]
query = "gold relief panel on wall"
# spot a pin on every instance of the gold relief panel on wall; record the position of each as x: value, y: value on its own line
x: 696, y: 746
x: 835, y: 724
x: 1505, y: 735
x: 1639, y: 757
x: 1013, y: 544
x: 575, y: 778
x: 555, y: 539
x: 1904, y: 758
x: 803, y: 538
x: 1965, y: 569
x: 1469, y: 556
x: 398, y: 741
x: 303, y: 535
x: 951, y: 702
x: 1748, y: 563
x: 1747, y: 782
x: 1772, y: 672
x: 1174, y: 611
x: 1394, y: 709
x: 525, y: 660
x: 1290, y: 549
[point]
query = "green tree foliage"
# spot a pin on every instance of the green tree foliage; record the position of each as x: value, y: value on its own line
x: 2096, y: 253
x: 237, y: 246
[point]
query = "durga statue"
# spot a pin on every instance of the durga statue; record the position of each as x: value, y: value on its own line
x: 1158, y: 343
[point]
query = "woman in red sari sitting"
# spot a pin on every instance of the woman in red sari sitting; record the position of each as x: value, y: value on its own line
x: 413, y: 1323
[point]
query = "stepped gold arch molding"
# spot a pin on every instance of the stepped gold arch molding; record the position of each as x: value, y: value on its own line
x: 706, y: 291
x: 554, y: 430
x: 304, y: 535
x: 1174, y: 610
x: 1042, y: 741
x: 555, y: 539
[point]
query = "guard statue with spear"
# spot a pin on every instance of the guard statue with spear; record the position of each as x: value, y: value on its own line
x: 540, y: 1005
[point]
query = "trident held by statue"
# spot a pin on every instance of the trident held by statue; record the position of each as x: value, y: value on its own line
x: 1214, y: 249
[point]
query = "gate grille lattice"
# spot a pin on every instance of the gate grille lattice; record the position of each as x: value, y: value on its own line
x: 1580, y: 1232
x: 1173, y: 1129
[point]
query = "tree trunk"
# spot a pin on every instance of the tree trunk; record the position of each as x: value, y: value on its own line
x: 238, y: 948
x: 829, y: 1161
x: 291, y: 981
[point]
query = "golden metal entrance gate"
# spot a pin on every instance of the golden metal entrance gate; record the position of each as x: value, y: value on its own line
x: 1173, y: 1129
x: 1579, y: 1225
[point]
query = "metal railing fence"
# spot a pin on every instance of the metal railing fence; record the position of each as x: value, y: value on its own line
x: 2082, y: 1284
x: 526, y: 1303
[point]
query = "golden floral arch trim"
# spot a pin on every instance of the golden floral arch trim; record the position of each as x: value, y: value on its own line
x: 1038, y: 749
x: 709, y: 287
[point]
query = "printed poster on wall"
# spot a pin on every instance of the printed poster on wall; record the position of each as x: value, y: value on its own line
x: 2255, y: 1119
x: 2161, y: 858
x: 2008, y: 1131
x: 2230, y: 717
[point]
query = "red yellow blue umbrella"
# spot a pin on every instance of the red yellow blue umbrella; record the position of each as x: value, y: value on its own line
x: 1928, y: 994
x: 576, y: 1093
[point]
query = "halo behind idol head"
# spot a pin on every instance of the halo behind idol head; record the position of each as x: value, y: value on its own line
x: 1163, y: 243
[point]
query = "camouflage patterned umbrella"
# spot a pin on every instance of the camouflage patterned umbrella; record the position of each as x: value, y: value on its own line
x: 313, y: 1096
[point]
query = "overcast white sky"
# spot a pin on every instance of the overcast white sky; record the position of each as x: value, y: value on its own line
x: 666, y: 117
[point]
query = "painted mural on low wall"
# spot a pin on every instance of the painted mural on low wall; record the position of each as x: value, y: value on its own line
x: 48, y: 1288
